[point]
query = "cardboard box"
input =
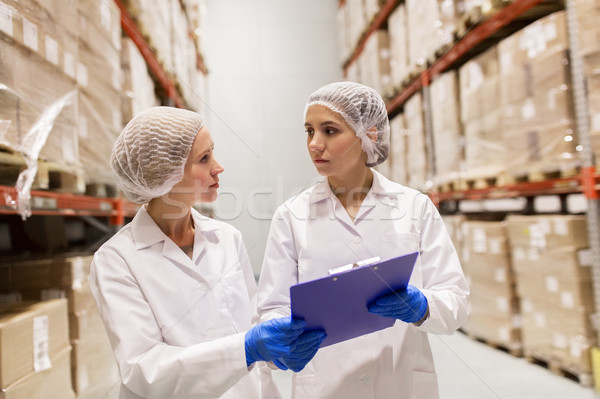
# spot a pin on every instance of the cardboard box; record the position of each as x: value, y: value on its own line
x: 541, y: 148
x: 398, y: 136
x: 61, y: 273
x: 448, y: 139
x: 485, y: 150
x: 479, y: 86
x: 54, y: 382
x: 397, y: 28
x: 416, y: 148
x: 32, y: 337
x: 93, y: 364
x: 548, y: 231
x: 545, y: 36
x: 560, y: 275
x: 375, y: 61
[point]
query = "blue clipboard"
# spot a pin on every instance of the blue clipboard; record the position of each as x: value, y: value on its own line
x: 338, y: 303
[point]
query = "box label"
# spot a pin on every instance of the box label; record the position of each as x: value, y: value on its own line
x: 69, y: 65
x: 41, y: 359
x: 51, y: 50
x: 30, y: 34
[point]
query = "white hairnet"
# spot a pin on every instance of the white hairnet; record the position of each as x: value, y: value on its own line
x: 149, y: 155
x: 363, y: 110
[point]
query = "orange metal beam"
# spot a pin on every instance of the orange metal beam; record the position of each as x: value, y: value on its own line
x: 564, y: 185
x: 130, y: 27
x: 53, y: 203
x: 379, y: 20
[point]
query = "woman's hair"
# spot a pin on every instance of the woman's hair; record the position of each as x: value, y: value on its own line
x: 149, y: 156
x: 364, y: 111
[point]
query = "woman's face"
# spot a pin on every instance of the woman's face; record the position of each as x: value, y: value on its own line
x: 332, y: 144
x: 201, y: 172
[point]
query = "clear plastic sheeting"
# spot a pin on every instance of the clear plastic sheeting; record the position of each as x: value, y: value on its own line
x: 31, y: 146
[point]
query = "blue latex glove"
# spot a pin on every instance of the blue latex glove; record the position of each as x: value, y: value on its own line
x: 306, y: 348
x: 408, y: 305
x: 272, y: 339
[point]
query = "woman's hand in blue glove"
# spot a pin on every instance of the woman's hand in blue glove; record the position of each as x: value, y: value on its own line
x: 409, y: 305
x: 306, y: 348
x: 272, y: 339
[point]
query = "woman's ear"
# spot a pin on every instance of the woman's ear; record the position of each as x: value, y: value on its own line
x: 372, y: 133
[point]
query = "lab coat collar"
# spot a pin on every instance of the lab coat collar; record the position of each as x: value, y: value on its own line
x: 146, y: 232
x: 381, y: 187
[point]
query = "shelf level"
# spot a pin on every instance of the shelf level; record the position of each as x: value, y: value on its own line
x: 566, y: 185
x: 53, y: 203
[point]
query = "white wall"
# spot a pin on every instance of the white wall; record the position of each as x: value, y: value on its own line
x: 264, y: 58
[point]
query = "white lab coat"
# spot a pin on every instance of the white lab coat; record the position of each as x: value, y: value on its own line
x: 312, y: 233
x: 177, y: 324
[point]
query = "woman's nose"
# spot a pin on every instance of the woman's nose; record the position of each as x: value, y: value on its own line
x: 217, y: 169
x: 316, y: 143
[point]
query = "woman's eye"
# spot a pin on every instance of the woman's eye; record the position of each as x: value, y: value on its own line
x: 204, y: 158
x: 330, y: 131
x: 310, y: 132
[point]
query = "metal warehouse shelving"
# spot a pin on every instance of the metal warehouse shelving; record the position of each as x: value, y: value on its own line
x: 115, y: 209
x: 502, y: 23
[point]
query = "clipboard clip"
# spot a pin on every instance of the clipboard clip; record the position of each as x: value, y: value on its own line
x: 356, y: 265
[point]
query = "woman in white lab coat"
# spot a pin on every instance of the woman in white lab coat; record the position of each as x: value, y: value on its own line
x: 175, y: 289
x: 355, y: 213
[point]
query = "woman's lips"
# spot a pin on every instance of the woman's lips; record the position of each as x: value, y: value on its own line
x: 216, y: 185
x: 319, y: 160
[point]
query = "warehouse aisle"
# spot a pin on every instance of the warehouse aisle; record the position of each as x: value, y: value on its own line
x: 469, y: 369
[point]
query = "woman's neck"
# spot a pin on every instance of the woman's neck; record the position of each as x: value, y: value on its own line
x: 352, y: 189
x: 173, y: 219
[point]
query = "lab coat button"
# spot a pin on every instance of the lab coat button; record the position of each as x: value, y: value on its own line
x: 202, y: 287
x: 357, y: 240
x: 212, y: 333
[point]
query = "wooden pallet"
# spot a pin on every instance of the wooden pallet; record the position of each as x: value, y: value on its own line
x: 453, y: 186
x: 102, y: 190
x: 514, y: 349
x: 477, y: 15
x: 49, y: 176
x: 584, y: 378
x: 536, y: 175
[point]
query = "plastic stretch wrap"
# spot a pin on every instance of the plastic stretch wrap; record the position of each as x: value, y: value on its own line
x: 138, y: 87
x: 536, y: 100
x: 431, y: 25
x: 59, y: 69
x: 375, y: 62
x: 485, y: 153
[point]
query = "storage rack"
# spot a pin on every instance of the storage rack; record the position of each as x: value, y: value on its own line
x: 511, y: 18
x: 87, y: 207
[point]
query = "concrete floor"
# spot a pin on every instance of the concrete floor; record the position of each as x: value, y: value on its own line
x: 469, y: 369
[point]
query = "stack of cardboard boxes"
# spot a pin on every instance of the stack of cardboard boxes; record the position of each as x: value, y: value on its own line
x: 485, y: 152
x: 35, y: 354
x: 447, y: 130
x: 535, y: 96
x: 553, y: 272
x: 417, y: 167
x: 92, y: 363
x: 493, y: 302
x: 397, y: 156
